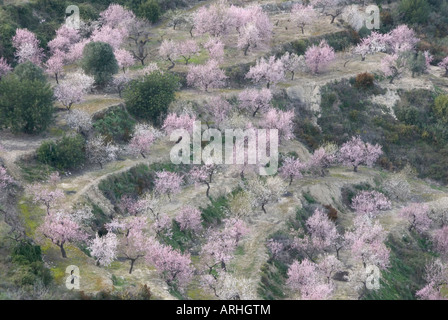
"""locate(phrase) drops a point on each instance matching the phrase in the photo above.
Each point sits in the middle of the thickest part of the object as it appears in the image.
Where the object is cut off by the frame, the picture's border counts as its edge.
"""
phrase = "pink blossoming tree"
(189, 218)
(270, 71)
(318, 57)
(436, 276)
(60, 229)
(356, 152)
(168, 183)
(417, 215)
(255, 100)
(142, 140)
(303, 15)
(370, 203)
(206, 76)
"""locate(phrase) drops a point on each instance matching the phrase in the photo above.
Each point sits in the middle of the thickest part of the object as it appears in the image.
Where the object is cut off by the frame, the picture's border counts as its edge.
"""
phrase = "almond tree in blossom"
(60, 229)
(249, 38)
(189, 218)
(318, 57)
(100, 151)
(270, 71)
(133, 241)
(173, 122)
(356, 152)
(366, 242)
(5, 68)
(124, 59)
(417, 215)
(375, 42)
(292, 62)
(265, 191)
(104, 249)
(402, 39)
(169, 50)
(168, 183)
(115, 16)
(393, 65)
(72, 90)
(227, 286)
(203, 175)
(214, 20)
(206, 76)
(27, 47)
(142, 140)
(219, 250)
(55, 65)
(309, 280)
(443, 64)
(218, 109)
(76, 51)
(46, 196)
(370, 203)
(321, 160)
(130, 206)
(174, 267)
(65, 38)
(255, 100)
(292, 169)
(436, 276)
(80, 121)
(440, 240)
(113, 36)
(280, 120)
(215, 48)
(329, 266)
(120, 81)
(321, 235)
(187, 49)
(303, 15)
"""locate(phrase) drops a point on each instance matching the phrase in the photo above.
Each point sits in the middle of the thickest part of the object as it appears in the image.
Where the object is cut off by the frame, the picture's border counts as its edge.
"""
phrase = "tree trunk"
(132, 265)
(292, 77)
(172, 64)
(245, 49)
(143, 155)
(262, 207)
(355, 168)
(56, 76)
(208, 189)
(64, 254)
(191, 31)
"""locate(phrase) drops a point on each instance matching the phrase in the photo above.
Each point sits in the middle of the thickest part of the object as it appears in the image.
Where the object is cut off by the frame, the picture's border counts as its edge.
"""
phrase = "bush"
(116, 124)
(150, 10)
(148, 99)
(414, 11)
(134, 182)
(364, 80)
(30, 267)
(441, 107)
(68, 153)
(29, 71)
(25, 105)
(99, 61)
